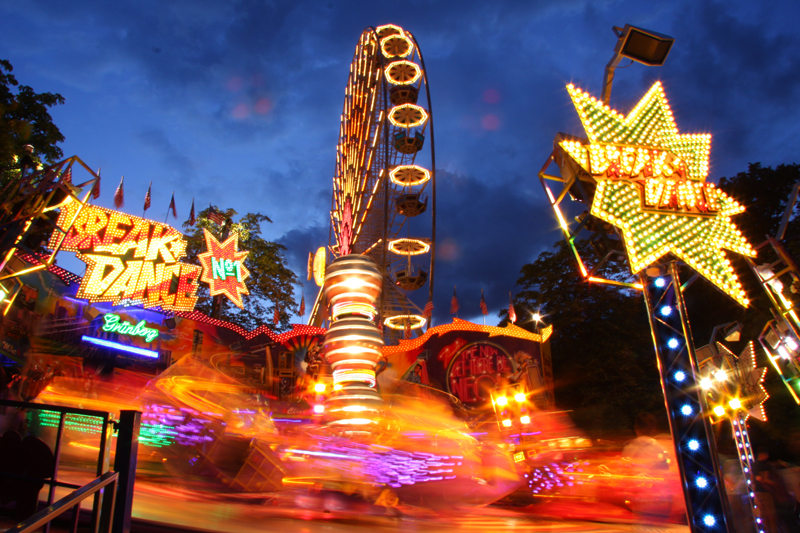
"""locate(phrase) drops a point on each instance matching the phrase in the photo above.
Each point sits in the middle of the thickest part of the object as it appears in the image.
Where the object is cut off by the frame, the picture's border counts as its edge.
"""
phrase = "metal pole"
(707, 506)
(56, 459)
(745, 454)
(125, 464)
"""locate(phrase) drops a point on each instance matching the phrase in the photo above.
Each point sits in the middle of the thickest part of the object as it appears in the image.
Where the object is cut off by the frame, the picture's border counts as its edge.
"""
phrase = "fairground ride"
(384, 185)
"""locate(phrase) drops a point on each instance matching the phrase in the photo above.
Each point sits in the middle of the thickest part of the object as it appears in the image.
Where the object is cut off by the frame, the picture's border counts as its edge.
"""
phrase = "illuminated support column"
(745, 453)
(703, 486)
(353, 343)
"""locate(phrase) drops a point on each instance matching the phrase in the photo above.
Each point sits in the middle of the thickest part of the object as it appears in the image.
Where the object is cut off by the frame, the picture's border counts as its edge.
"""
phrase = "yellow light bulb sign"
(128, 258)
(651, 185)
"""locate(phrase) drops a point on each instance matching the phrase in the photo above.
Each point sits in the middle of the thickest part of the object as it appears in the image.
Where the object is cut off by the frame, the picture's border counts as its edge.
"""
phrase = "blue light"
(709, 520)
(121, 347)
(680, 376)
(701, 482)
(693, 445)
(686, 410)
(673, 343)
(660, 282)
(666, 310)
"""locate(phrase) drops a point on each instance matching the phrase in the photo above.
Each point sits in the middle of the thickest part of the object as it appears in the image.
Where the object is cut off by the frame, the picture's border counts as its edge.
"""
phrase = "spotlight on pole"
(643, 46)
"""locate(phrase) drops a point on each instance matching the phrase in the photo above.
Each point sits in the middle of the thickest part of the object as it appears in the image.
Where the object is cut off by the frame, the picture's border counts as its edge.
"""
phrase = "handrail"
(56, 408)
(106, 420)
(64, 504)
(114, 513)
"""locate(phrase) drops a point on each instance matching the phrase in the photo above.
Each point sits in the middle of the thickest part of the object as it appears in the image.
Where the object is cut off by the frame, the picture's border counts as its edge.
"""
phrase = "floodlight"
(733, 332)
(643, 46)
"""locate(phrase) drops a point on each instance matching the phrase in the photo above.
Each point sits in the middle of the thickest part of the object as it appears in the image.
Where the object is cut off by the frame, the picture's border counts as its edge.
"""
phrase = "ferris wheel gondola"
(384, 186)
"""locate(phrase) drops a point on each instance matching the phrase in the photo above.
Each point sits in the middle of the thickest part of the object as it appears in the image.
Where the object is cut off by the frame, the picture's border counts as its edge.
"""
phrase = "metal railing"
(115, 509)
(73, 501)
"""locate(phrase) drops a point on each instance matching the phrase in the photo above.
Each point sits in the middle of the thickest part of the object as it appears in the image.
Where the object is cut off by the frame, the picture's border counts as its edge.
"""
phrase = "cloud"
(238, 103)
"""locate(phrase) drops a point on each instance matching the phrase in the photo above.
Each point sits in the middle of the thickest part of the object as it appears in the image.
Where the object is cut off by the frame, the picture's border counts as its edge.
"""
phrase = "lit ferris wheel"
(384, 191)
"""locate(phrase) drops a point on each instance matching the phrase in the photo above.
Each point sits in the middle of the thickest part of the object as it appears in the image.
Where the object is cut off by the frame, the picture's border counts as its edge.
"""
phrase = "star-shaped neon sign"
(651, 185)
(223, 267)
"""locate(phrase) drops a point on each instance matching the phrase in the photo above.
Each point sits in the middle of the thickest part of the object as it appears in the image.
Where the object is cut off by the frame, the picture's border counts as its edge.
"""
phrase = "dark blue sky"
(238, 103)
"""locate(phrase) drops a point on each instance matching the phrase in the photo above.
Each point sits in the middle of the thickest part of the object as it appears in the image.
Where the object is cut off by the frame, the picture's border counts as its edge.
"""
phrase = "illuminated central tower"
(353, 343)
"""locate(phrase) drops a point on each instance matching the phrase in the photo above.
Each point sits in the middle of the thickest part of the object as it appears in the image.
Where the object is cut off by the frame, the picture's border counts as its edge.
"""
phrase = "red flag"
(119, 194)
(191, 214)
(147, 197)
(96, 189)
(276, 319)
(454, 303)
(66, 177)
(215, 216)
(484, 309)
(172, 206)
(302, 310)
(428, 310)
(512, 315)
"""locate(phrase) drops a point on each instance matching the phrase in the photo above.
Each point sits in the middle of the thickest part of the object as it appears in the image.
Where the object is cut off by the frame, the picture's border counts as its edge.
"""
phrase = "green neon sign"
(222, 268)
(113, 324)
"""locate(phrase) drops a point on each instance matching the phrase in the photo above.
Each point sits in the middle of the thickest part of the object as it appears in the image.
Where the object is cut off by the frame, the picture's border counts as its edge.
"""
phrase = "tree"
(25, 120)
(601, 345)
(763, 192)
(270, 283)
(603, 362)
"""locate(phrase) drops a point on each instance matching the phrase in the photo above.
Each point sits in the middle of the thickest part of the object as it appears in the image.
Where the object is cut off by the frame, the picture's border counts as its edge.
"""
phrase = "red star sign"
(223, 267)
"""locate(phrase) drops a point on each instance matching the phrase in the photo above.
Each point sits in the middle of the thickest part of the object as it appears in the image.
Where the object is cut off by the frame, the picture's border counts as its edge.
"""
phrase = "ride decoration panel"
(470, 362)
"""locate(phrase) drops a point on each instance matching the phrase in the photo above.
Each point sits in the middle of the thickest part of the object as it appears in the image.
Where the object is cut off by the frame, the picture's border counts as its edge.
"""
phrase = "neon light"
(25, 271)
(510, 330)
(220, 262)
(399, 322)
(121, 347)
(407, 116)
(318, 266)
(113, 324)
(349, 375)
(222, 268)
(409, 175)
(561, 220)
(637, 286)
(396, 45)
(402, 72)
(406, 246)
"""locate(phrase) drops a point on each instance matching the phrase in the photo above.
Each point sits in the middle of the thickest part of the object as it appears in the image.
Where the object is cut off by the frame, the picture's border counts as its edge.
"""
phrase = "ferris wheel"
(384, 187)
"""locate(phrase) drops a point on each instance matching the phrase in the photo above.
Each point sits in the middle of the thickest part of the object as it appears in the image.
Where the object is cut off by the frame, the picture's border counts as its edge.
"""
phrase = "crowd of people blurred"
(777, 482)
(22, 386)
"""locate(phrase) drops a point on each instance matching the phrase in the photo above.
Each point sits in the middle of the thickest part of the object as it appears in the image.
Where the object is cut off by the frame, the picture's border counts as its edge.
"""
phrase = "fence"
(112, 491)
